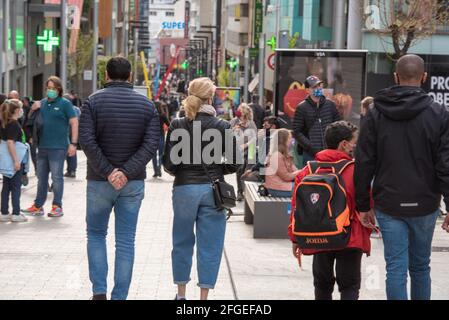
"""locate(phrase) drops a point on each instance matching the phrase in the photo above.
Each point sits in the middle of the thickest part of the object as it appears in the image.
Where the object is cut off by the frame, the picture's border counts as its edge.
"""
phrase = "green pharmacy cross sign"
(272, 43)
(48, 40)
(232, 63)
(185, 65)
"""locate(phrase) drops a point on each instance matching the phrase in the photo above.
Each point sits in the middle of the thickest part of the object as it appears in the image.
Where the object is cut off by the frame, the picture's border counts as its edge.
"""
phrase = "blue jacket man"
(119, 133)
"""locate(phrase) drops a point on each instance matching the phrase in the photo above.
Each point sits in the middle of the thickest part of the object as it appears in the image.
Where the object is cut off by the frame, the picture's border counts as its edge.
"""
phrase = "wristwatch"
(74, 144)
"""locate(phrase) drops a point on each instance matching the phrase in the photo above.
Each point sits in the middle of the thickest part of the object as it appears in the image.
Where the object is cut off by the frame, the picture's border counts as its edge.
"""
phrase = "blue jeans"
(50, 160)
(72, 163)
(101, 199)
(194, 206)
(280, 193)
(157, 160)
(11, 186)
(407, 247)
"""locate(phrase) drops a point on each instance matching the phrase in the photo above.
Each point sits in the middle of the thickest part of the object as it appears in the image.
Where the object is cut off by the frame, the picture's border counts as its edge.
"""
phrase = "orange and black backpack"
(321, 217)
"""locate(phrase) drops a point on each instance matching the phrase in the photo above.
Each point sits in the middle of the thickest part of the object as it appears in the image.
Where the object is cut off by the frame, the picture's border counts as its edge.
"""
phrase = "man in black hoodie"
(404, 147)
(312, 117)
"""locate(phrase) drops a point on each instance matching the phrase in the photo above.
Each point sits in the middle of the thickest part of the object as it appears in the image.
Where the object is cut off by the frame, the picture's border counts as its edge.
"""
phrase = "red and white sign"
(271, 61)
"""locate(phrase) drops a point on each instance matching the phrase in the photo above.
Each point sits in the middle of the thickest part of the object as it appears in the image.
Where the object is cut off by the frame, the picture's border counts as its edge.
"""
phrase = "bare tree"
(80, 58)
(403, 23)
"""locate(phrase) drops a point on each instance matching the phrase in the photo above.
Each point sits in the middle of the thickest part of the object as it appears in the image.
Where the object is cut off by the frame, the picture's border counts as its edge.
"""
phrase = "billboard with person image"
(342, 71)
(226, 101)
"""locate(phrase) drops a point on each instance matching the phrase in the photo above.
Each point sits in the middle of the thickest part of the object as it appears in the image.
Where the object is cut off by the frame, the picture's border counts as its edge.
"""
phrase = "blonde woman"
(365, 105)
(245, 130)
(193, 199)
(281, 171)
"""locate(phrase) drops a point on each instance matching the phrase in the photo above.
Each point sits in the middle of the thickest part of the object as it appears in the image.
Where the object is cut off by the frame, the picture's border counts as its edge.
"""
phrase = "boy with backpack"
(324, 222)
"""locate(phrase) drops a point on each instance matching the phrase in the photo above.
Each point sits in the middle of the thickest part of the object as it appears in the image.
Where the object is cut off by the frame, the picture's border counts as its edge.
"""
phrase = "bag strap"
(337, 167)
(313, 166)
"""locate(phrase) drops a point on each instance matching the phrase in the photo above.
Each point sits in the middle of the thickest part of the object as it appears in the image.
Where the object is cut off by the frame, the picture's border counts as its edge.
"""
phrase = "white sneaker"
(5, 218)
(18, 218)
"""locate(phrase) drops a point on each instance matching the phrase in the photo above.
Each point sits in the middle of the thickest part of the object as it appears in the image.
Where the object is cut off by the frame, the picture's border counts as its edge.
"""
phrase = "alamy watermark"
(215, 146)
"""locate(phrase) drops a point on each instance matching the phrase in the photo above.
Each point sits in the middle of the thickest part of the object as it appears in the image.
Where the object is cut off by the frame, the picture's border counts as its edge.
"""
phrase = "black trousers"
(240, 171)
(348, 264)
(33, 151)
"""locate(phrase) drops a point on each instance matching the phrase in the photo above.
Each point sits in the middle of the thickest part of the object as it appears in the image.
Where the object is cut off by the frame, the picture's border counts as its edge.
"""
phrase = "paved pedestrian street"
(46, 258)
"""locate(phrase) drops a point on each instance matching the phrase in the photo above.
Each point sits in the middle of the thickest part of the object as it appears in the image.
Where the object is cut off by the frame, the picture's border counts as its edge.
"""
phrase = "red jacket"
(360, 236)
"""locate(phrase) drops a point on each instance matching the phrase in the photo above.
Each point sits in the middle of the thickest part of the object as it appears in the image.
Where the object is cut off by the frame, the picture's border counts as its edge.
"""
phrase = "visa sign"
(173, 25)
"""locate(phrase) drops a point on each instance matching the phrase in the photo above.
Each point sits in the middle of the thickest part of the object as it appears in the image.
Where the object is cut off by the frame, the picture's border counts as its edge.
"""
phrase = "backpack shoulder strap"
(338, 167)
(313, 166)
(341, 166)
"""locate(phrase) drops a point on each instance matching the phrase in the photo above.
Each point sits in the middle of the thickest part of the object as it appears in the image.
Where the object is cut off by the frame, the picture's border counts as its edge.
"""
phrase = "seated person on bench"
(280, 171)
(254, 174)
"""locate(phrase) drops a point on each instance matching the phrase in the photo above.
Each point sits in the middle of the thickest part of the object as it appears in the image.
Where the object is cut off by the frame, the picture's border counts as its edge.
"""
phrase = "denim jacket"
(6, 161)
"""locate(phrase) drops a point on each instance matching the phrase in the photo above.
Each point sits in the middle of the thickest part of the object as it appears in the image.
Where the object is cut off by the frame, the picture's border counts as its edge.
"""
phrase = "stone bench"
(269, 215)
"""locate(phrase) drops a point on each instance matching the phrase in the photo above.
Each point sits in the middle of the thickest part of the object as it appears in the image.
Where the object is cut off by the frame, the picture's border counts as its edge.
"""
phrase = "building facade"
(25, 64)
(166, 18)
(13, 46)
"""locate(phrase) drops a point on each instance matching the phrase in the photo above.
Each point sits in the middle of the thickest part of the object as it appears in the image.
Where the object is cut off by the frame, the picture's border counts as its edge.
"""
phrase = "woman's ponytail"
(200, 91)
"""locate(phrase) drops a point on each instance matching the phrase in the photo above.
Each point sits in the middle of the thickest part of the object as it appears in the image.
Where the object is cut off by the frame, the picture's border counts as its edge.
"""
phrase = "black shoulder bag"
(224, 193)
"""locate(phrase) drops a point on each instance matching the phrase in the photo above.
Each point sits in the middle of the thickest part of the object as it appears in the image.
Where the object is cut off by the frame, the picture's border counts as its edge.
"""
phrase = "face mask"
(318, 92)
(238, 113)
(292, 144)
(20, 113)
(351, 150)
(52, 94)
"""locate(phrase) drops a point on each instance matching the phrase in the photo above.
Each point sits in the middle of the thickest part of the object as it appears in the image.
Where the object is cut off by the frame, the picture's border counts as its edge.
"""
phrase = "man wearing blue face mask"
(51, 125)
(312, 117)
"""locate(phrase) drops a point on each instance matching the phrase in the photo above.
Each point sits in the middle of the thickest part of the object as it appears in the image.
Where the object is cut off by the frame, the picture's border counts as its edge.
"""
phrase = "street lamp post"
(207, 51)
(262, 69)
(95, 51)
(114, 28)
(63, 66)
(1, 46)
(126, 27)
(207, 46)
(136, 57)
(198, 44)
(245, 93)
(217, 42)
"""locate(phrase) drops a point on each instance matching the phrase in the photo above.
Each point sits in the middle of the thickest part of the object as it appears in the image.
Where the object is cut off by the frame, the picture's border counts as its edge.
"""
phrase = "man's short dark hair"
(118, 68)
(272, 120)
(339, 131)
(410, 67)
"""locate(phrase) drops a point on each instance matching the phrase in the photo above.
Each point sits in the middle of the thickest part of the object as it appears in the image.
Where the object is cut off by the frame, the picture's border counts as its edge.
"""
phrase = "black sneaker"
(70, 174)
(157, 174)
(240, 197)
(176, 298)
(99, 297)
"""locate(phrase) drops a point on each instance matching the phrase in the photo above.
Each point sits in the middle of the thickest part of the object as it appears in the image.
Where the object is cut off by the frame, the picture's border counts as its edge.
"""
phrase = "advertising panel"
(343, 73)
(226, 101)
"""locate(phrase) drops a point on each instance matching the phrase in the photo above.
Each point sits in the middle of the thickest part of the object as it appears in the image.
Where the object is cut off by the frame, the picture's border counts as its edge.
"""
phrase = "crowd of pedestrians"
(45, 133)
(403, 141)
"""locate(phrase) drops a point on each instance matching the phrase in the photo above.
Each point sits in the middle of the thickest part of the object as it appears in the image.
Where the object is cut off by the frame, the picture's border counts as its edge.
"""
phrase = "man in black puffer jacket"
(404, 147)
(119, 133)
(312, 117)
